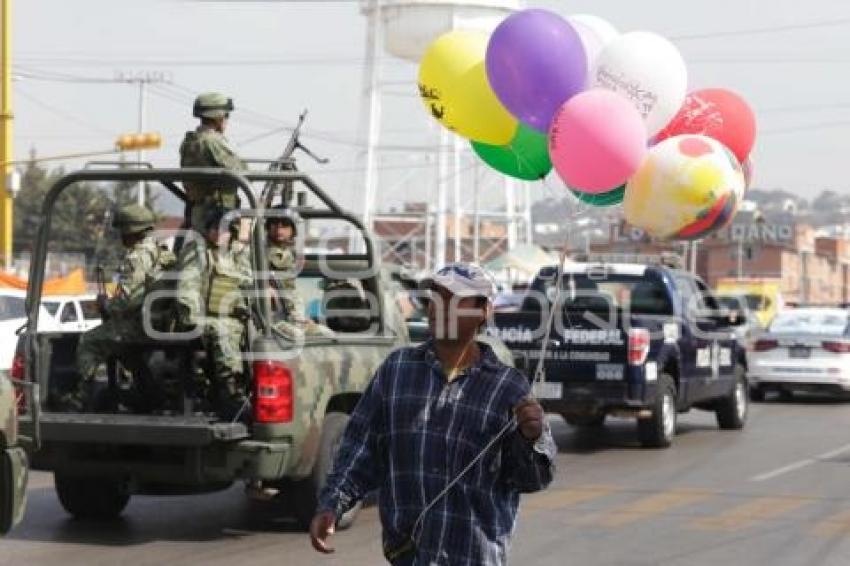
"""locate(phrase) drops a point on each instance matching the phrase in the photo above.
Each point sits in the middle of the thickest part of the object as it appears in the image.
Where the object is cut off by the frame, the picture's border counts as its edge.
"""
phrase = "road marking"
(750, 513)
(561, 498)
(801, 464)
(834, 525)
(650, 506)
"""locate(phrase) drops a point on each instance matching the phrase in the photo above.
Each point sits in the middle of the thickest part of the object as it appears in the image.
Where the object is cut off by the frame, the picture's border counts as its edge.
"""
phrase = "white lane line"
(801, 464)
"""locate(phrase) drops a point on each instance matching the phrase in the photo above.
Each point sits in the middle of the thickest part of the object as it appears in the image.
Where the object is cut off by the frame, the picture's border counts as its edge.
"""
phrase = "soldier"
(213, 272)
(144, 263)
(281, 231)
(207, 147)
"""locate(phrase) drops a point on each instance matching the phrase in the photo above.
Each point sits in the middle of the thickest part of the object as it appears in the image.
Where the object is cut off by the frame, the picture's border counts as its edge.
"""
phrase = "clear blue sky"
(277, 58)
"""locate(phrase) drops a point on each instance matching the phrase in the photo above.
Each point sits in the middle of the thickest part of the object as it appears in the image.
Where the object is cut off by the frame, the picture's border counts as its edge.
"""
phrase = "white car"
(13, 316)
(805, 349)
(72, 313)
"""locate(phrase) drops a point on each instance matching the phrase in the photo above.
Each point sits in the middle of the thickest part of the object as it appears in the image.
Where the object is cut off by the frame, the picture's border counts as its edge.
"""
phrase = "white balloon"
(648, 70)
(595, 33)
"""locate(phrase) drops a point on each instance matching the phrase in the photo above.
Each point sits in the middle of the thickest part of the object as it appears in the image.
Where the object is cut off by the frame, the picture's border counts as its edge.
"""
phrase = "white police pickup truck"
(631, 340)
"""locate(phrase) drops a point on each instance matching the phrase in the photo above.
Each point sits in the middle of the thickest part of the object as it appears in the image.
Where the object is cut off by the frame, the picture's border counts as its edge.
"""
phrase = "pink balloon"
(597, 141)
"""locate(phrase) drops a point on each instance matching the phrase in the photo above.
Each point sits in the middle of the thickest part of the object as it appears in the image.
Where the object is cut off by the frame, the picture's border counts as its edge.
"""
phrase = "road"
(776, 493)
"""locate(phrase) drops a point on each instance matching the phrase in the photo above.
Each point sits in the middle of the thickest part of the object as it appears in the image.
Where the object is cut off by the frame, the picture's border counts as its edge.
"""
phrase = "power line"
(762, 30)
(62, 114)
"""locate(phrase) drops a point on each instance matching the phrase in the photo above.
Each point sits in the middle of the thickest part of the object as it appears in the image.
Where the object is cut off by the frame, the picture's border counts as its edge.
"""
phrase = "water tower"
(405, 29)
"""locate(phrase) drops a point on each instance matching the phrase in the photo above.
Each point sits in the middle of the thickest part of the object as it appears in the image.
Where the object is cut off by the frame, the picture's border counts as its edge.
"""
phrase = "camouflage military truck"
(13, 460)
(302, 389)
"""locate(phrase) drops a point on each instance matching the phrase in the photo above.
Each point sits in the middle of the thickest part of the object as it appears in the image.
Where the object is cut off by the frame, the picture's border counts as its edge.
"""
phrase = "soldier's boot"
(233, 403)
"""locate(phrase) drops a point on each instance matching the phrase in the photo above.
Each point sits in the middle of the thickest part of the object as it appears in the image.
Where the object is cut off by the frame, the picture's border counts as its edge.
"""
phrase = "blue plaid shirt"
(412, 432)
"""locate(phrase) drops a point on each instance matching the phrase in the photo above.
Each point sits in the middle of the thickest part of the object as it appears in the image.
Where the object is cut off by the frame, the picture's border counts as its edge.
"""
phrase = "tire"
(585, 421)
(658, 430)
(305, 493)
(757, 394)
(732, 410)
(92, 498)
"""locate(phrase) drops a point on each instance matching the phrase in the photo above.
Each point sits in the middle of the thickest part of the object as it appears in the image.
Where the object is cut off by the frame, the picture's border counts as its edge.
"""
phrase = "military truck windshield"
(604, 292)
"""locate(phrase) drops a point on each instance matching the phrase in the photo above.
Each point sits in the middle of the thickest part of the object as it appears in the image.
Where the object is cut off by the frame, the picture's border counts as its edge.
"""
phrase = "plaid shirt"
(412, 433)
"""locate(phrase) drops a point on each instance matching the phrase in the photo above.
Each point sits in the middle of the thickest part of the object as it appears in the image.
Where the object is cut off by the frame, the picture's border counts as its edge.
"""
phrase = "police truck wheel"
(91, 498)
(305, 493)
(658, 430)
(732, 410)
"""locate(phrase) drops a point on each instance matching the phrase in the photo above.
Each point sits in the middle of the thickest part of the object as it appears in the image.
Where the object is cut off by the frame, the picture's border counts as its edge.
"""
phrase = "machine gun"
(286, 161)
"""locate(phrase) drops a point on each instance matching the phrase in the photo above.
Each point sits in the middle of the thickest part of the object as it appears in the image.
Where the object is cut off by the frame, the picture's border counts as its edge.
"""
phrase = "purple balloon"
(535, 62)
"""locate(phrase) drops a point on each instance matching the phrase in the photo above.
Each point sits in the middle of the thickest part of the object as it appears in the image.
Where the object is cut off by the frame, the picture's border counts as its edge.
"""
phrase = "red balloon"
(717, 113)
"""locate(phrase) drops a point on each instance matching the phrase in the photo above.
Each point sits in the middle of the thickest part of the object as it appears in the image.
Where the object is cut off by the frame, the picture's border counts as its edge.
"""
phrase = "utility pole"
(142, 79)
(6, 153)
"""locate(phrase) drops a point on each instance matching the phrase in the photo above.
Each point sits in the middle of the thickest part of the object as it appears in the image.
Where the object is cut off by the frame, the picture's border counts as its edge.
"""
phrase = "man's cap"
(212, 105)
(462, 279)
(284, 215)
(214, 215)
(133, 219)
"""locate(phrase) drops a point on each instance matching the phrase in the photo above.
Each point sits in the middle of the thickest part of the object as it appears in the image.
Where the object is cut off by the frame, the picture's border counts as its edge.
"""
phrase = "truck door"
(722, 344)
(696, 350)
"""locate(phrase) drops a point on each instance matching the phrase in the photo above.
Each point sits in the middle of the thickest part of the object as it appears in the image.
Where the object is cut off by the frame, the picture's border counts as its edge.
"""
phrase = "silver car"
(806, 349)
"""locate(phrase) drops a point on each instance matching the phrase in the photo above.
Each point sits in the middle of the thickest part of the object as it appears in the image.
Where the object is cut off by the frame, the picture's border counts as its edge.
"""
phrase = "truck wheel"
(91, 498)
(305, 493)
(732, 410)
(757, 394)
(658, 430)
(586, 421)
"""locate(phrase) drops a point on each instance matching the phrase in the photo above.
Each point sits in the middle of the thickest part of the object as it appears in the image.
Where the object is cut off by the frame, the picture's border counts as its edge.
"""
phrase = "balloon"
(687, 187)
(535, 62)
(648, 70)
(595, 33)
(597, 141)
(453, 85)
(611, 198)
(717, 113)
(525, 157)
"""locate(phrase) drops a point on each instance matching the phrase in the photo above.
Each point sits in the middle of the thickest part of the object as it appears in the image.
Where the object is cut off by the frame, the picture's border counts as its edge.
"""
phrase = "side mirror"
(13, 487)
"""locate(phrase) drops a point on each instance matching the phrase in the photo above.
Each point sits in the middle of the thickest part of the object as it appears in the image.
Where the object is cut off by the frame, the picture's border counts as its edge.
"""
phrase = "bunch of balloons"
(609, 111)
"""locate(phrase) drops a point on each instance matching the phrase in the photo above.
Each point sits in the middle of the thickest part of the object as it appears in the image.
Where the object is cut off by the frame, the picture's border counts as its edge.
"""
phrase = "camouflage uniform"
(139, 270)
(209, 295)
(207, 147)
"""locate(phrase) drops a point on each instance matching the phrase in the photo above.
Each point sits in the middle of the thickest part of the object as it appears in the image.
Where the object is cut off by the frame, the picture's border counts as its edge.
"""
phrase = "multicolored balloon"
(597, 141)
(454, 88)
(536, 62)
(717, 113)
(526, 157)
(648, 70)
(687, 187)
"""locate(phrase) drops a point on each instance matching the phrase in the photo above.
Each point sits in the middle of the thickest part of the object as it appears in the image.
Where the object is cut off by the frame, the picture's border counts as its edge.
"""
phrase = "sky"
(789, 59)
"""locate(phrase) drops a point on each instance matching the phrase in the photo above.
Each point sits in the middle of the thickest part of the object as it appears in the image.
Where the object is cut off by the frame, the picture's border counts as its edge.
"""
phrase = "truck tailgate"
(148, 430)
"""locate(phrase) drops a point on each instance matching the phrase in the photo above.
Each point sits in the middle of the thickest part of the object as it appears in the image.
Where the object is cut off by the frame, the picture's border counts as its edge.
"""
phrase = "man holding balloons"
(610, 112)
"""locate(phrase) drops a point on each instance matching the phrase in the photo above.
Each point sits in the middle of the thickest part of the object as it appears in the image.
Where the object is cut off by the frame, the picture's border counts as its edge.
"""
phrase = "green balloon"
(526, 157)
(611, 198)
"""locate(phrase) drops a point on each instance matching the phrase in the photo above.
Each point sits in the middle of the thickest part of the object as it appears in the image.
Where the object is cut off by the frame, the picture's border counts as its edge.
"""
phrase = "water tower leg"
(458, 210)
(370, 115)
(510, 211)
(442, 198)
(529, 232)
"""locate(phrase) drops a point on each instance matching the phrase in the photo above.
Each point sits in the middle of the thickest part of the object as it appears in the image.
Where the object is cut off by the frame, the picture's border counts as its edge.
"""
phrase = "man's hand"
(529, 417)
(321, 529)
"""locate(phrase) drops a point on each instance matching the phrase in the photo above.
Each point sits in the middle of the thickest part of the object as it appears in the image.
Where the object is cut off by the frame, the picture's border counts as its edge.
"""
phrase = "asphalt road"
(777, 493)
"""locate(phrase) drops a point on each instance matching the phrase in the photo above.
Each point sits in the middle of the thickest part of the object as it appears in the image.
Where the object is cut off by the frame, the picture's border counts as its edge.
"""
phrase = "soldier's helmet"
(134, 219)
(212, 105)
(282, 214)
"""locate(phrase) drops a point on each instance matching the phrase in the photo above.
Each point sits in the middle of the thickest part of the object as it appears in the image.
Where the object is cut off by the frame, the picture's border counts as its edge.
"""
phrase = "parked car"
(73, 312)
(803, 349)
(13, 316)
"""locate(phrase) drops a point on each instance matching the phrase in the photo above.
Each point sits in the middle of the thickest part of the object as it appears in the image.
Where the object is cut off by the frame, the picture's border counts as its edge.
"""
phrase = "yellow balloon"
(453, 85)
